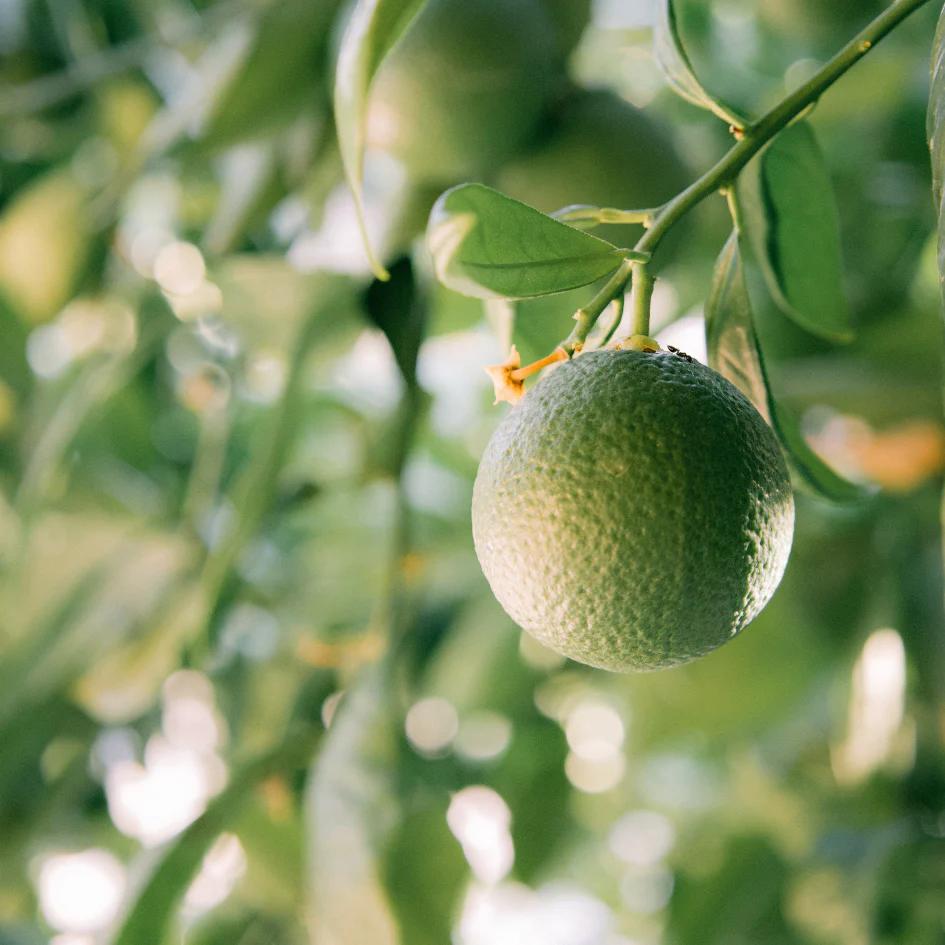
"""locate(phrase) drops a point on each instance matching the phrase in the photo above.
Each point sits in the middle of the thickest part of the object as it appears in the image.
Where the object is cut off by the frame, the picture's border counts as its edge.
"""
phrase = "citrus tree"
(306, 640)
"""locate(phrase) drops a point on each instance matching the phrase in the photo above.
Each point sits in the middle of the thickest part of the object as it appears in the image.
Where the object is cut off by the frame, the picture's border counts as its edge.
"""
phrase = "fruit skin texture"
(633, 511)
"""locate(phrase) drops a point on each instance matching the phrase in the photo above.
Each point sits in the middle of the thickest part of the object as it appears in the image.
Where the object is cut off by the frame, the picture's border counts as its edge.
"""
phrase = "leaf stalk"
(643, 284)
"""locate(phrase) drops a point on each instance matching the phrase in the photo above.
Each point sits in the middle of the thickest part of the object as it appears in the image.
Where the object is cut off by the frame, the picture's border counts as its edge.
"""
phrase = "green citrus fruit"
(633, 511)
(464, 87)
(598, 150)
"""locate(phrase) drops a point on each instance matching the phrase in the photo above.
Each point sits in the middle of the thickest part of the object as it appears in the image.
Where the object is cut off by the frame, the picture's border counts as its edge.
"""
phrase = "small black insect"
(679, 354)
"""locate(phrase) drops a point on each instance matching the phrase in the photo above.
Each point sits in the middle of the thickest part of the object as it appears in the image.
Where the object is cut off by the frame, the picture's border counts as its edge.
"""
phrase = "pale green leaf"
(487, 245)
(671, 56)
(352, 814)
(789, 217)
(373, 28)
(735, 353)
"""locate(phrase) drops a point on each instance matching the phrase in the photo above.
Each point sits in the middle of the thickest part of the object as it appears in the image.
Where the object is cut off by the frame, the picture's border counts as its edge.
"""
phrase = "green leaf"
(397, 309)
(671, 56)
(487, 245)
(24, 790)
(154, 907)
(936, 132)
(730, 332)
(533, 782)
(425, 870)
(739, 899)
(400, 311)
(14, 368)
(789, 216)
(352, 814)
(735, 353)
(374, 27)
(383, 865)
(279, 76)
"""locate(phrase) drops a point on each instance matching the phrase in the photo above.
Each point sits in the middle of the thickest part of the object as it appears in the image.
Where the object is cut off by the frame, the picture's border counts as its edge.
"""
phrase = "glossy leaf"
(487, 245)
(374, 27)
(936, 132)
(789, 217)
(735, 353)
(671, 56)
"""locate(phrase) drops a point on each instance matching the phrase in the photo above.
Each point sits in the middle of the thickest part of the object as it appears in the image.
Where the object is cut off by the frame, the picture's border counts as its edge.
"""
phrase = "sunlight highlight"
(154, 799)
(594, 731)
(81, 892)
(876, 709)
(642, 838)
(431, 725)
(179, 268)
(223, 866)
(483, 736)
(480, 819)
(513, 914)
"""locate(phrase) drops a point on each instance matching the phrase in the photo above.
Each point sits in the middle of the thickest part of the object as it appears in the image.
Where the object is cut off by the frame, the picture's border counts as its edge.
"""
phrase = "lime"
(633, 511)
(464, 87)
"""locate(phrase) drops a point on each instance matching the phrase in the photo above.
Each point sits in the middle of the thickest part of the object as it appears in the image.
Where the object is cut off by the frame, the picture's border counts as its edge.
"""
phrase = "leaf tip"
(380, 273)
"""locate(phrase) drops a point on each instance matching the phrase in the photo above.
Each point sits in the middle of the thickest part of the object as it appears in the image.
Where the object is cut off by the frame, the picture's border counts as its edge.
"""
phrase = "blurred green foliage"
(232, 466)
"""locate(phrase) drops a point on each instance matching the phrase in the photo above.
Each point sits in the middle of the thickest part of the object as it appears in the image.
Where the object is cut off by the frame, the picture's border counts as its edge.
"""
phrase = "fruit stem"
(759, 133)
(643, 284)
(587, 316)
(733, 208)
(618, 316)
